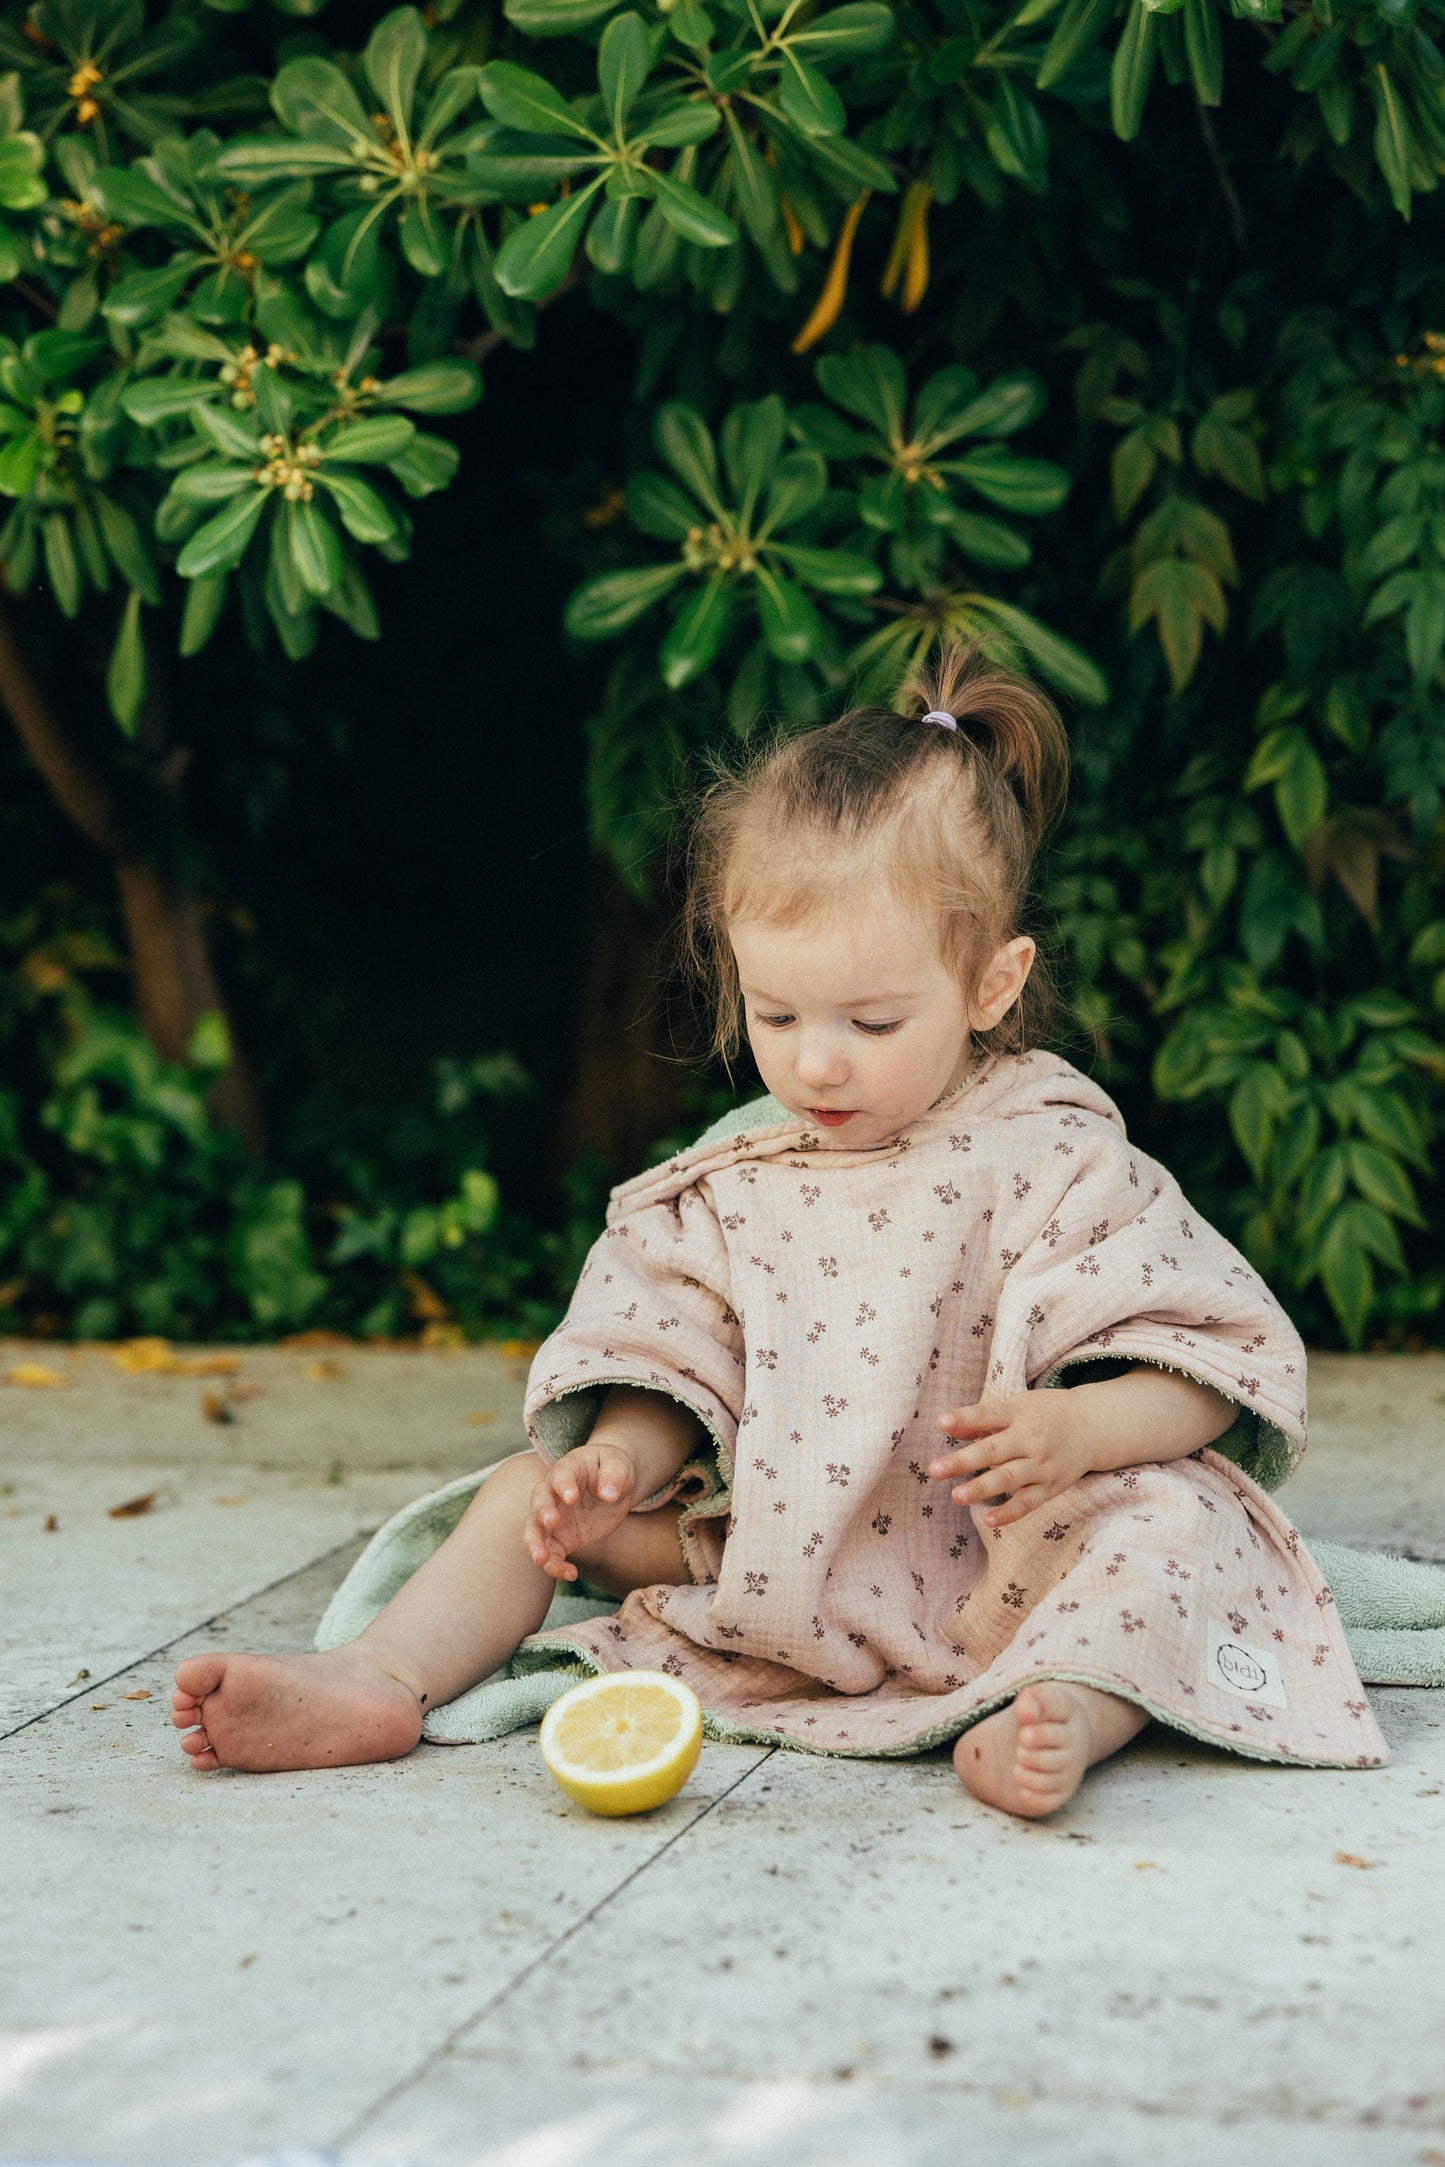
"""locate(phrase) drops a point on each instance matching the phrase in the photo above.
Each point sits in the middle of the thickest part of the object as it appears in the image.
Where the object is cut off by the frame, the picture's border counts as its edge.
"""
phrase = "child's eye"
(775, 1023)
(879, 1030)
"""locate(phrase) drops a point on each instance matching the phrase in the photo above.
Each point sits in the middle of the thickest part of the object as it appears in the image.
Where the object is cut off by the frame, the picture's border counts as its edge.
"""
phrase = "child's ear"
(1002, 982)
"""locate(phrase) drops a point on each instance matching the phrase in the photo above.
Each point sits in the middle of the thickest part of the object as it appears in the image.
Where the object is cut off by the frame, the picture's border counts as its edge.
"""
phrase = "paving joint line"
(453, 2039)
(93, 1685)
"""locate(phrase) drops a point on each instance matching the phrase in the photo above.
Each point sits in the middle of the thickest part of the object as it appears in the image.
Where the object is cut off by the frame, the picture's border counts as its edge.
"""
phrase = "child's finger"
(1019, 1506)
(970, 1458)
(998, 1481)
(975, 1421)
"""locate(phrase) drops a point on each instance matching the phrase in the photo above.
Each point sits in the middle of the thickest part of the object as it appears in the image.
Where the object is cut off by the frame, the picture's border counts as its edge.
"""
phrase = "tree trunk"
(628, 1086)
(174, 979)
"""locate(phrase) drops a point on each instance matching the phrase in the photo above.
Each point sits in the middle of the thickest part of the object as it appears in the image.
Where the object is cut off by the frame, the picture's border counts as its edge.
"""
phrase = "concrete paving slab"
(197, 1967)
(1374, 1473)
(535, 2115)
(313, 1408)
(440, 1962)
(1195, 1937)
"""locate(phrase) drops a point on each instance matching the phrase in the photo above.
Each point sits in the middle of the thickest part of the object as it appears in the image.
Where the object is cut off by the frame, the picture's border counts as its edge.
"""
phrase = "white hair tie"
(936, 714)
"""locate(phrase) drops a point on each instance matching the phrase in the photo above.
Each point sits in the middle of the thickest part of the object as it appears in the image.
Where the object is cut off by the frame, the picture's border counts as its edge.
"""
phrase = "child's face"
(860, 1017)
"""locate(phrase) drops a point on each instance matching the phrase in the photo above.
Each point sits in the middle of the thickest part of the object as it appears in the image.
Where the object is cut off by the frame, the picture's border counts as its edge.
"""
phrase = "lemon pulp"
(623, 1743)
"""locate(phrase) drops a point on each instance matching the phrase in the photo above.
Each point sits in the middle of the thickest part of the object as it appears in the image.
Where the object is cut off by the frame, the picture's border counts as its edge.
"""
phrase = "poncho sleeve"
(652, 1308)
(1122, 1271)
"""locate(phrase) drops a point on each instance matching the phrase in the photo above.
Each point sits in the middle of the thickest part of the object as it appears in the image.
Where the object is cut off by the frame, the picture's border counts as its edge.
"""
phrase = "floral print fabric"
(818, 1308)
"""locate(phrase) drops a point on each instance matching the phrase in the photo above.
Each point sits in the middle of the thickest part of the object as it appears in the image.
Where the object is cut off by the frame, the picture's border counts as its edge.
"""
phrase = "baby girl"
(795, 1416)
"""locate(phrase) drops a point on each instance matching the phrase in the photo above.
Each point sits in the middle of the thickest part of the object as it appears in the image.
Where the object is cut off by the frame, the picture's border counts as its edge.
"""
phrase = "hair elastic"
(936, 714)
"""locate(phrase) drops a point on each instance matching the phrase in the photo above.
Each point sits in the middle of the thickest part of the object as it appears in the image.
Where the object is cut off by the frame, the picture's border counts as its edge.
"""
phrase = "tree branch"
(486, 342)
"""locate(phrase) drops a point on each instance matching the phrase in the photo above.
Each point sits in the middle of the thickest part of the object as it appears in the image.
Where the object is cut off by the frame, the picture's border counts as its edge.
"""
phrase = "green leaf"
(556, 18)
(751, 442)
(689, 214)
(796, 488)
(145, 295)
(790, 624)
(375, 440)
(612, 236)
(127, 551)
(313, 99)
(364, 514)
(437, 387)
(22, 175)
(988, 541)
(162, 398)
(1060, 661)
(606, 605)
(1383, 1181)
(697, 632)
(1257, 1105)
(205, 599)
(1132, 69)
(1349, 1280)
(675, 126)
(255, 161)
(315, 547)
(623, 59)
(425, 464)
(521, 99)
(1204, 50)
(945, 409)
(133, 200)
(807, 98)
(210, 483)
(220, 544)
(62, 568)
(682, 438)
(1076, 30)
(393, 58)
(232, 434)
(870, 384)
(830, 571)
(1032, 486)
(658, 507)
(533, 261)
(423, 237)
(125, 679)
(19, 461)
(863, 26)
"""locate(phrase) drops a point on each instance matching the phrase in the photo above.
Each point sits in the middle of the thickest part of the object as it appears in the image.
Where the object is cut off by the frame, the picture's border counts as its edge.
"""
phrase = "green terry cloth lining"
(1392, 1609)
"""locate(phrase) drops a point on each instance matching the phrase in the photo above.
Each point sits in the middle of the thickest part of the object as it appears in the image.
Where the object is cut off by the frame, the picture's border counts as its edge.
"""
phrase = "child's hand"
(1024, 1449)
(580, 1500)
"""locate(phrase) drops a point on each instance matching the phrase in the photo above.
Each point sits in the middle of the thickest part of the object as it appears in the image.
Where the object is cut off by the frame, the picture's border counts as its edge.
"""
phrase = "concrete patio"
(1202, 1962)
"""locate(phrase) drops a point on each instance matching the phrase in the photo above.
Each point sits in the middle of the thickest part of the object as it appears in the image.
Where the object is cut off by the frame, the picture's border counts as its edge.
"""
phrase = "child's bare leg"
(1031, 1757)
(454, 1622)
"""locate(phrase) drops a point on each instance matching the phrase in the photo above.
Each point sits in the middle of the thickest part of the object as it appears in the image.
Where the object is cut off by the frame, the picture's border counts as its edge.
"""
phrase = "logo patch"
(1239, 1667)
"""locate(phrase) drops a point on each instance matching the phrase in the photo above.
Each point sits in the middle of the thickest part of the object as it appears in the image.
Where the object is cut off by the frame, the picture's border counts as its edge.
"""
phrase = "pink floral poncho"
(818, 1308)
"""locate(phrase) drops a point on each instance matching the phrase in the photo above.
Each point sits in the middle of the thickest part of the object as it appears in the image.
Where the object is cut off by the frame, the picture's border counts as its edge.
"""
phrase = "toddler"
(795, 1416)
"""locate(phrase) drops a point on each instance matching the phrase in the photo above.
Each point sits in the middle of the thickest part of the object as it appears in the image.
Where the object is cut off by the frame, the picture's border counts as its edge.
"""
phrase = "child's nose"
(821, 1065)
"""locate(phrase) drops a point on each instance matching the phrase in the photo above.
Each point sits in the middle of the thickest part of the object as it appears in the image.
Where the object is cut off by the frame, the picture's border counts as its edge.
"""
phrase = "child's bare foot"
(1030, 1757)
(293, 1711)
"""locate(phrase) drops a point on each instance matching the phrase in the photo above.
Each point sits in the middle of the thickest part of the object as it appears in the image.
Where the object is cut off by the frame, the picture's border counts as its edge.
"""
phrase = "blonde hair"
(951, 820)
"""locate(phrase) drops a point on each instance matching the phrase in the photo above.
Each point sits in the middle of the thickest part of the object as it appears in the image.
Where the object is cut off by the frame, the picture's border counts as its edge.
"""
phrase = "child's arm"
(636, 1445)
(1035, 1444)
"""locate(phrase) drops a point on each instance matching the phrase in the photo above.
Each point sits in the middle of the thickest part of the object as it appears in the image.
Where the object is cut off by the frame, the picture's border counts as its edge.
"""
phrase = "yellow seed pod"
(835, 286)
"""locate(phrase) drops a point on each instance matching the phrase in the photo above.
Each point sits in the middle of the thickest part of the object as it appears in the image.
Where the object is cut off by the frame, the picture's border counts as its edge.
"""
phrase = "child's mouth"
(830, 1120)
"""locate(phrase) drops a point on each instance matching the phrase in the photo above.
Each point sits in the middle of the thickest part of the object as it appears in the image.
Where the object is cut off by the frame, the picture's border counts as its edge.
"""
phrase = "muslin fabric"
(817, 1308)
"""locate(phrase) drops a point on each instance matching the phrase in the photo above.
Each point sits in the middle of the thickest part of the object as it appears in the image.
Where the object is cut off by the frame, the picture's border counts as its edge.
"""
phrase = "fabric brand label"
(1238, 1666)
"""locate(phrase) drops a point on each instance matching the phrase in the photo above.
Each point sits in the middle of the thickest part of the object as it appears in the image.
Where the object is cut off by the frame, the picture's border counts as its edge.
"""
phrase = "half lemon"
(623, 1743)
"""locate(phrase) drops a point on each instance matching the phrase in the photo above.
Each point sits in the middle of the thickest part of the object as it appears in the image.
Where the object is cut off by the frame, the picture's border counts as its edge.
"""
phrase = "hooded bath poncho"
(818, 1308)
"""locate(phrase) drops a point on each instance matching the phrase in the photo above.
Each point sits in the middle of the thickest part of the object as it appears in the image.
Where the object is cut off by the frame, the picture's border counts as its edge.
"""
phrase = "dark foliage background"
(1103, 334)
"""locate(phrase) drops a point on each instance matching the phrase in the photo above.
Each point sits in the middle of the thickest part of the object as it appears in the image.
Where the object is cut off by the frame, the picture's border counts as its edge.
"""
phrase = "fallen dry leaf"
(80, 1677)
(245, 1392)
(322, 1372)
(216, 1408)
(228, 1500)
(480, 1420)
(298, 1340)
(439, 1338)
(99, 1704)
(135, 1506)
(1350, 1858)
(158, 1358)
(1143, 1866)
(516, 1350)
(38, 1376)
(139, 1694)
(52, 1525)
